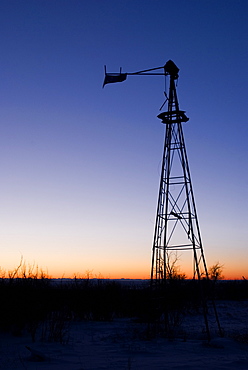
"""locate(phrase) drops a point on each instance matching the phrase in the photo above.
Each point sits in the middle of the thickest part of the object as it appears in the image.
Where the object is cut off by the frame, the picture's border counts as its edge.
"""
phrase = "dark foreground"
(84, 324)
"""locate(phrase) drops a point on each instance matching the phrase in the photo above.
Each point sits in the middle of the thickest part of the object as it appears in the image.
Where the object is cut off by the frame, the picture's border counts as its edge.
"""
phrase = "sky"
(80, 165)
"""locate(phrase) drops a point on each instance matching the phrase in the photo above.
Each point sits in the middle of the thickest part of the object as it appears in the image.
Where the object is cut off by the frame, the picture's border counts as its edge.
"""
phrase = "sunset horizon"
(26, 269)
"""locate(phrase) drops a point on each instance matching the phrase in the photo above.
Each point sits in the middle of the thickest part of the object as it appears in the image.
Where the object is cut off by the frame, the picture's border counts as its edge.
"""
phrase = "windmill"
(176, 227)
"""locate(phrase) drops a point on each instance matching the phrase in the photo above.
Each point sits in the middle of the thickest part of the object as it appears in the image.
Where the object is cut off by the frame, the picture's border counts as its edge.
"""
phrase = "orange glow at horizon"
(117, 268)
(142, 274)
(122, 275)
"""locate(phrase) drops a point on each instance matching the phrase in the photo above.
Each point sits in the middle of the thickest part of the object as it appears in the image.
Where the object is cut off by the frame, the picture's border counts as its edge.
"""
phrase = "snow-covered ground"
(122, 344)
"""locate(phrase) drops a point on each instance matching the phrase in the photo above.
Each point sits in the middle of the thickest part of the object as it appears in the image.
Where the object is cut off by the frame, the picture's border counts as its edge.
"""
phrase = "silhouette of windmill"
(176, 227)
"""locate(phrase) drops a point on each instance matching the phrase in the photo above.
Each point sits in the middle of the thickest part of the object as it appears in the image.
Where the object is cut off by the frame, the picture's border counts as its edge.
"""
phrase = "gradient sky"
(80, 165)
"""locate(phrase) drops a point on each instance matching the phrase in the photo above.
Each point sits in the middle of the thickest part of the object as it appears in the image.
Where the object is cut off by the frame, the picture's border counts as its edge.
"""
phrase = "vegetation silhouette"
(44, 307)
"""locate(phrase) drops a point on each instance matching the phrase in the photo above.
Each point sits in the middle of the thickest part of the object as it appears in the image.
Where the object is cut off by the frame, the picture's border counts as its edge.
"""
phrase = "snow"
(123, 344)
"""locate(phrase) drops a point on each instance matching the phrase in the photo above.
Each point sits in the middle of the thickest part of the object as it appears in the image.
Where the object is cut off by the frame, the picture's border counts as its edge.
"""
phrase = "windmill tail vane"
(168, 69)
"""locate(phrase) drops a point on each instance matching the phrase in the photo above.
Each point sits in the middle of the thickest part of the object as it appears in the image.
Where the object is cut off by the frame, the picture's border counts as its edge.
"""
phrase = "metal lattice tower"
(176, 228)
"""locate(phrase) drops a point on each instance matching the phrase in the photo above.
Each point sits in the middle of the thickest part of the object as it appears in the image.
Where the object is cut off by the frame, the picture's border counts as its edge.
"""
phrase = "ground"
(123, 344)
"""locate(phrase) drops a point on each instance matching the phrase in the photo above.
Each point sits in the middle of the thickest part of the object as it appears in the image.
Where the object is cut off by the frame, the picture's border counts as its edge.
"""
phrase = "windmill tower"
(176, 228)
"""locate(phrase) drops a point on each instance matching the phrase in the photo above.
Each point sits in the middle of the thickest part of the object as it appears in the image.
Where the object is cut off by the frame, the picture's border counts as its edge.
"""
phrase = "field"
(104, 324)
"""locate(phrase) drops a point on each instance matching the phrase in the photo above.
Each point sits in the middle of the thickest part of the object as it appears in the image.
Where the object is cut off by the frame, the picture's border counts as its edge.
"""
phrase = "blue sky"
(80, 165)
